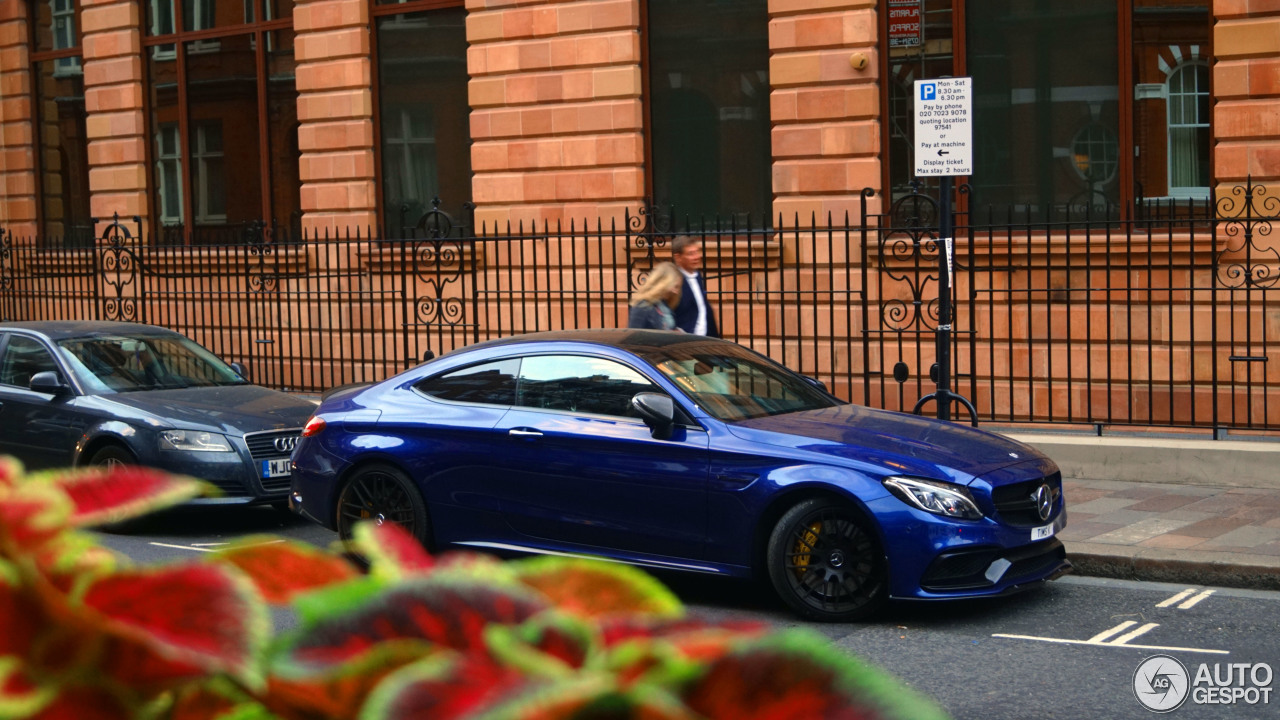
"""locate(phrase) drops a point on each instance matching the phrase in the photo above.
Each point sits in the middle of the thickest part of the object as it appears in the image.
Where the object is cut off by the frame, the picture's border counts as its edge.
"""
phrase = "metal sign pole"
(946, 231)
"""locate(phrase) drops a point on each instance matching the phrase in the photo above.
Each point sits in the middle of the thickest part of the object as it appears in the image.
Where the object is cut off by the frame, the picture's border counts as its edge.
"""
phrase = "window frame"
(56, 56)
(1128, 192)
(1190, 192)
(681, 417)
(416, 387)
(377, 11)
(205, 40)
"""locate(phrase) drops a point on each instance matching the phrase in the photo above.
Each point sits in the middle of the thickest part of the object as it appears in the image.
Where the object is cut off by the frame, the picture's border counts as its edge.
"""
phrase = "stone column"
(1246, 86)
(113, 98)
(556, 115)
(825, 107)
(17, 136)
(335, 115)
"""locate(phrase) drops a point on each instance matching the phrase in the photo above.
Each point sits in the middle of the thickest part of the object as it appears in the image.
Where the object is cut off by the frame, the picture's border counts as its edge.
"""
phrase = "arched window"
(1188, 103)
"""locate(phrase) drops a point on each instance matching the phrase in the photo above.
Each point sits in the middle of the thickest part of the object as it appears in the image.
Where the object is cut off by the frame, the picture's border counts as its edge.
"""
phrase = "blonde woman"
(652, 302)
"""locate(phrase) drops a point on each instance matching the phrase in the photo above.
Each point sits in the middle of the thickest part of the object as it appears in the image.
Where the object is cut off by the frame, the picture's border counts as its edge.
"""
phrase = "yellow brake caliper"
(805, 546)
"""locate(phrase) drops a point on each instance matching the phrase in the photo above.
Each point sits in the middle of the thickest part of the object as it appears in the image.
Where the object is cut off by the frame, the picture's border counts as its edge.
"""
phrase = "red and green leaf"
(592, 589)
(340, 692)
(102, 496)
(29, 516)
(199, 613)
(20, 615)
(84, 703)
(551, 644)
(442, 688)
(595, 697)
(10, 472)
(447, 612)
(283, 569)
(798, 675)
(391, 551)
(19, 696)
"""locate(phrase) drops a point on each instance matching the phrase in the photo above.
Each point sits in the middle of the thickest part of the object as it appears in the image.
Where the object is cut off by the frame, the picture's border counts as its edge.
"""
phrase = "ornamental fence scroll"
(1161, 320)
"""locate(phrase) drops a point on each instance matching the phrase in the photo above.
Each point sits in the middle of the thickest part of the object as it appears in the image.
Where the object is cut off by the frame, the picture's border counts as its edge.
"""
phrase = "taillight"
(314, 426)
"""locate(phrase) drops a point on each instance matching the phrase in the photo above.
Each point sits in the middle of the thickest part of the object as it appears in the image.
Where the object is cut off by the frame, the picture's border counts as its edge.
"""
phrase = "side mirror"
(239, 370)
(815, 382)
(658, 412)
(48, 381)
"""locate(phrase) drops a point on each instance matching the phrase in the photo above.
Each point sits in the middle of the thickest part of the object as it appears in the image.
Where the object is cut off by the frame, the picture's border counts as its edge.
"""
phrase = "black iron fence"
(1164, 320)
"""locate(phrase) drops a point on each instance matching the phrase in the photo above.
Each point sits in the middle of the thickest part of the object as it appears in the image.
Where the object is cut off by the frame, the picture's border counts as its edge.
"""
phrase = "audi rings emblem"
(1044, 501)
(286, 444)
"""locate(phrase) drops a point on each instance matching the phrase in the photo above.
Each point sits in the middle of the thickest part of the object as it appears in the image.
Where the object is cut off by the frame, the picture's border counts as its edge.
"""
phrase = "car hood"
(233, 409)
(899, 443)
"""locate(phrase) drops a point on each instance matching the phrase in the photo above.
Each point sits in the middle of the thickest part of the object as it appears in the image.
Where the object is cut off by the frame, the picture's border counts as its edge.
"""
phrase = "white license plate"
(275, 468)
(1042, 533)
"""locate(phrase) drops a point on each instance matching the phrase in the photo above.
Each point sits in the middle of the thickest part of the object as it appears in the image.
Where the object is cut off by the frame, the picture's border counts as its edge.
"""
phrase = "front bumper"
(932, 557)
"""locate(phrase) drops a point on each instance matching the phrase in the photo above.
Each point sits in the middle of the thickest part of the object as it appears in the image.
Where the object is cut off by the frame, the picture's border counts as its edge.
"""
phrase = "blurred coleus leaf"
(796, 674)
(550, 644)
(443, 687)
(339, 691)
(392, 553)
(448, 612)
(591, 588)
(282, 569)
(108, 495)
(197, 614)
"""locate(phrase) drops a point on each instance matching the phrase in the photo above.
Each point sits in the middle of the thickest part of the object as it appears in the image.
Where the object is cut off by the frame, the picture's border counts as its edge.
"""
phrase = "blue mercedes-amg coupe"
(681, 452)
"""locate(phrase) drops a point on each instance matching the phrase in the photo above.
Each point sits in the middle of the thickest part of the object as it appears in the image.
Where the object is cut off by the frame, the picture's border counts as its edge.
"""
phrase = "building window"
(169, 174)
(708, 96)
(423, 116)
(62, 165)
(227, 106)
(1188, 105)
(1049, 118)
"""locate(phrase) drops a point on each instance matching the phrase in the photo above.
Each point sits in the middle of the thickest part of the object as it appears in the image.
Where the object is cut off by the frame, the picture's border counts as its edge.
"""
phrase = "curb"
(1237, 570)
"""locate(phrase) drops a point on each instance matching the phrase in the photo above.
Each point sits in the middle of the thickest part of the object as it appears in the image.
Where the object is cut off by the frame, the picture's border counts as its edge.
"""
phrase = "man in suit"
(693, 314)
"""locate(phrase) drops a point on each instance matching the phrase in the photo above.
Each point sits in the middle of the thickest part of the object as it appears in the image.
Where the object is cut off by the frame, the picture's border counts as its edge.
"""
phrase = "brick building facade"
(558, 122)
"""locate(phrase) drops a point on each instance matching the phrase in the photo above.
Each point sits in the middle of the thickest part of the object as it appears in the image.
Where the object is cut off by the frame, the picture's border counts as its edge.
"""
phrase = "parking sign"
(944, 134)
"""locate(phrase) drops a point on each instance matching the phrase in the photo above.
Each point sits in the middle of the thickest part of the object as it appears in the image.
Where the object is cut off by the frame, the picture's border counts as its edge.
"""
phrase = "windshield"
(147, 362)
(733, 383)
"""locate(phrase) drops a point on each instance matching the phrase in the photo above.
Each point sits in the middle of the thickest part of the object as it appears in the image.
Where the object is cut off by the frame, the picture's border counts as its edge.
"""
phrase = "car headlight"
(194, 441)
(936, 497)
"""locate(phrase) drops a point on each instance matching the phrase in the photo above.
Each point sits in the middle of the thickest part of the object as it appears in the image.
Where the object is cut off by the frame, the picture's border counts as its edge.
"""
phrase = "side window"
(580, 384)
(489, 383)
(23, 358)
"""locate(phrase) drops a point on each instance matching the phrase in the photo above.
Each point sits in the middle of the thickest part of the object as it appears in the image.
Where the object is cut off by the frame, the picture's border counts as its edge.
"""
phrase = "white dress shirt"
(700, 327)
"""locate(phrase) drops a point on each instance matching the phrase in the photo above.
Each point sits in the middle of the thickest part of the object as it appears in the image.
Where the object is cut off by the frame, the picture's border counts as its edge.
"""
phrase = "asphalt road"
(1069, 650)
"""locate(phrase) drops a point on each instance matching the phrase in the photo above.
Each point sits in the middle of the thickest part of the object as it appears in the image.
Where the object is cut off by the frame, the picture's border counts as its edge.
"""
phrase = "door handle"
(523, 432)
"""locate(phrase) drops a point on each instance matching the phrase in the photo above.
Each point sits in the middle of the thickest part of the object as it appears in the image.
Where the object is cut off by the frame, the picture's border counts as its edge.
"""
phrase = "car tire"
(826, 562)
(110, 456)
(382, 493)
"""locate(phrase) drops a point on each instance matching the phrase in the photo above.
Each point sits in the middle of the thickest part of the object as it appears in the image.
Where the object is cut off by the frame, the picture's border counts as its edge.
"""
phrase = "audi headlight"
(936, 497)
(194, 441)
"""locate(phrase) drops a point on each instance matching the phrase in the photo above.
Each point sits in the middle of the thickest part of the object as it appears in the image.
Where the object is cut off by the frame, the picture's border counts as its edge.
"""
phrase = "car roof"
(636, 341)
(63, 329)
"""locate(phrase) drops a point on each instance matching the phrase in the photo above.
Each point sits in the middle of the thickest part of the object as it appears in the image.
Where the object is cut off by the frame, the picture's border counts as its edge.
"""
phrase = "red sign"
(904, 23)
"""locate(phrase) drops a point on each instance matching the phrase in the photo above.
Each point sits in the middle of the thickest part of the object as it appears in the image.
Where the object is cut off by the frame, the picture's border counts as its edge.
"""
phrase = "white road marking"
(1102, 636)
(1111, 644)
(201, 547)
(1131, 635)
(1192, 602)
(1176, 598)
(181, 547)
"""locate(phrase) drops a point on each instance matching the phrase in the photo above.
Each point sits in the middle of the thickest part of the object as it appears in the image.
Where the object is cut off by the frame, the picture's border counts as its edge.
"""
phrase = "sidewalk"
(1192, 534)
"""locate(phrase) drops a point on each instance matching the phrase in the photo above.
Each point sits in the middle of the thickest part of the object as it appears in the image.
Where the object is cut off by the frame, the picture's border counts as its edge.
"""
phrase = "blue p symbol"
(928, 91)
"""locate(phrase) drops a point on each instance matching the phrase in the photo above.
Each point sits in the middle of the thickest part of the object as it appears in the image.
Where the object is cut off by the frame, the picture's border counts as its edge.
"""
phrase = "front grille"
(1016, 504)
(262, 445)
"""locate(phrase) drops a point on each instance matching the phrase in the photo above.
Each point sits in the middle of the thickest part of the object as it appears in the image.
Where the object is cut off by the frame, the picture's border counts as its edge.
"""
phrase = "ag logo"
(1161, 683)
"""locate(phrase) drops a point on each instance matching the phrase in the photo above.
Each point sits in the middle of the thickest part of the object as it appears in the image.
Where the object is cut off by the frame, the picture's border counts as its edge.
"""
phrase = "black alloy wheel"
(112, 456)
(381, 493)
(826, 564)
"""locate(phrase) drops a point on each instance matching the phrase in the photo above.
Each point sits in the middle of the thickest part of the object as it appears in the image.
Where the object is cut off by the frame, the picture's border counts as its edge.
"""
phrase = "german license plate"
(275, 468)
(1042, 533)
